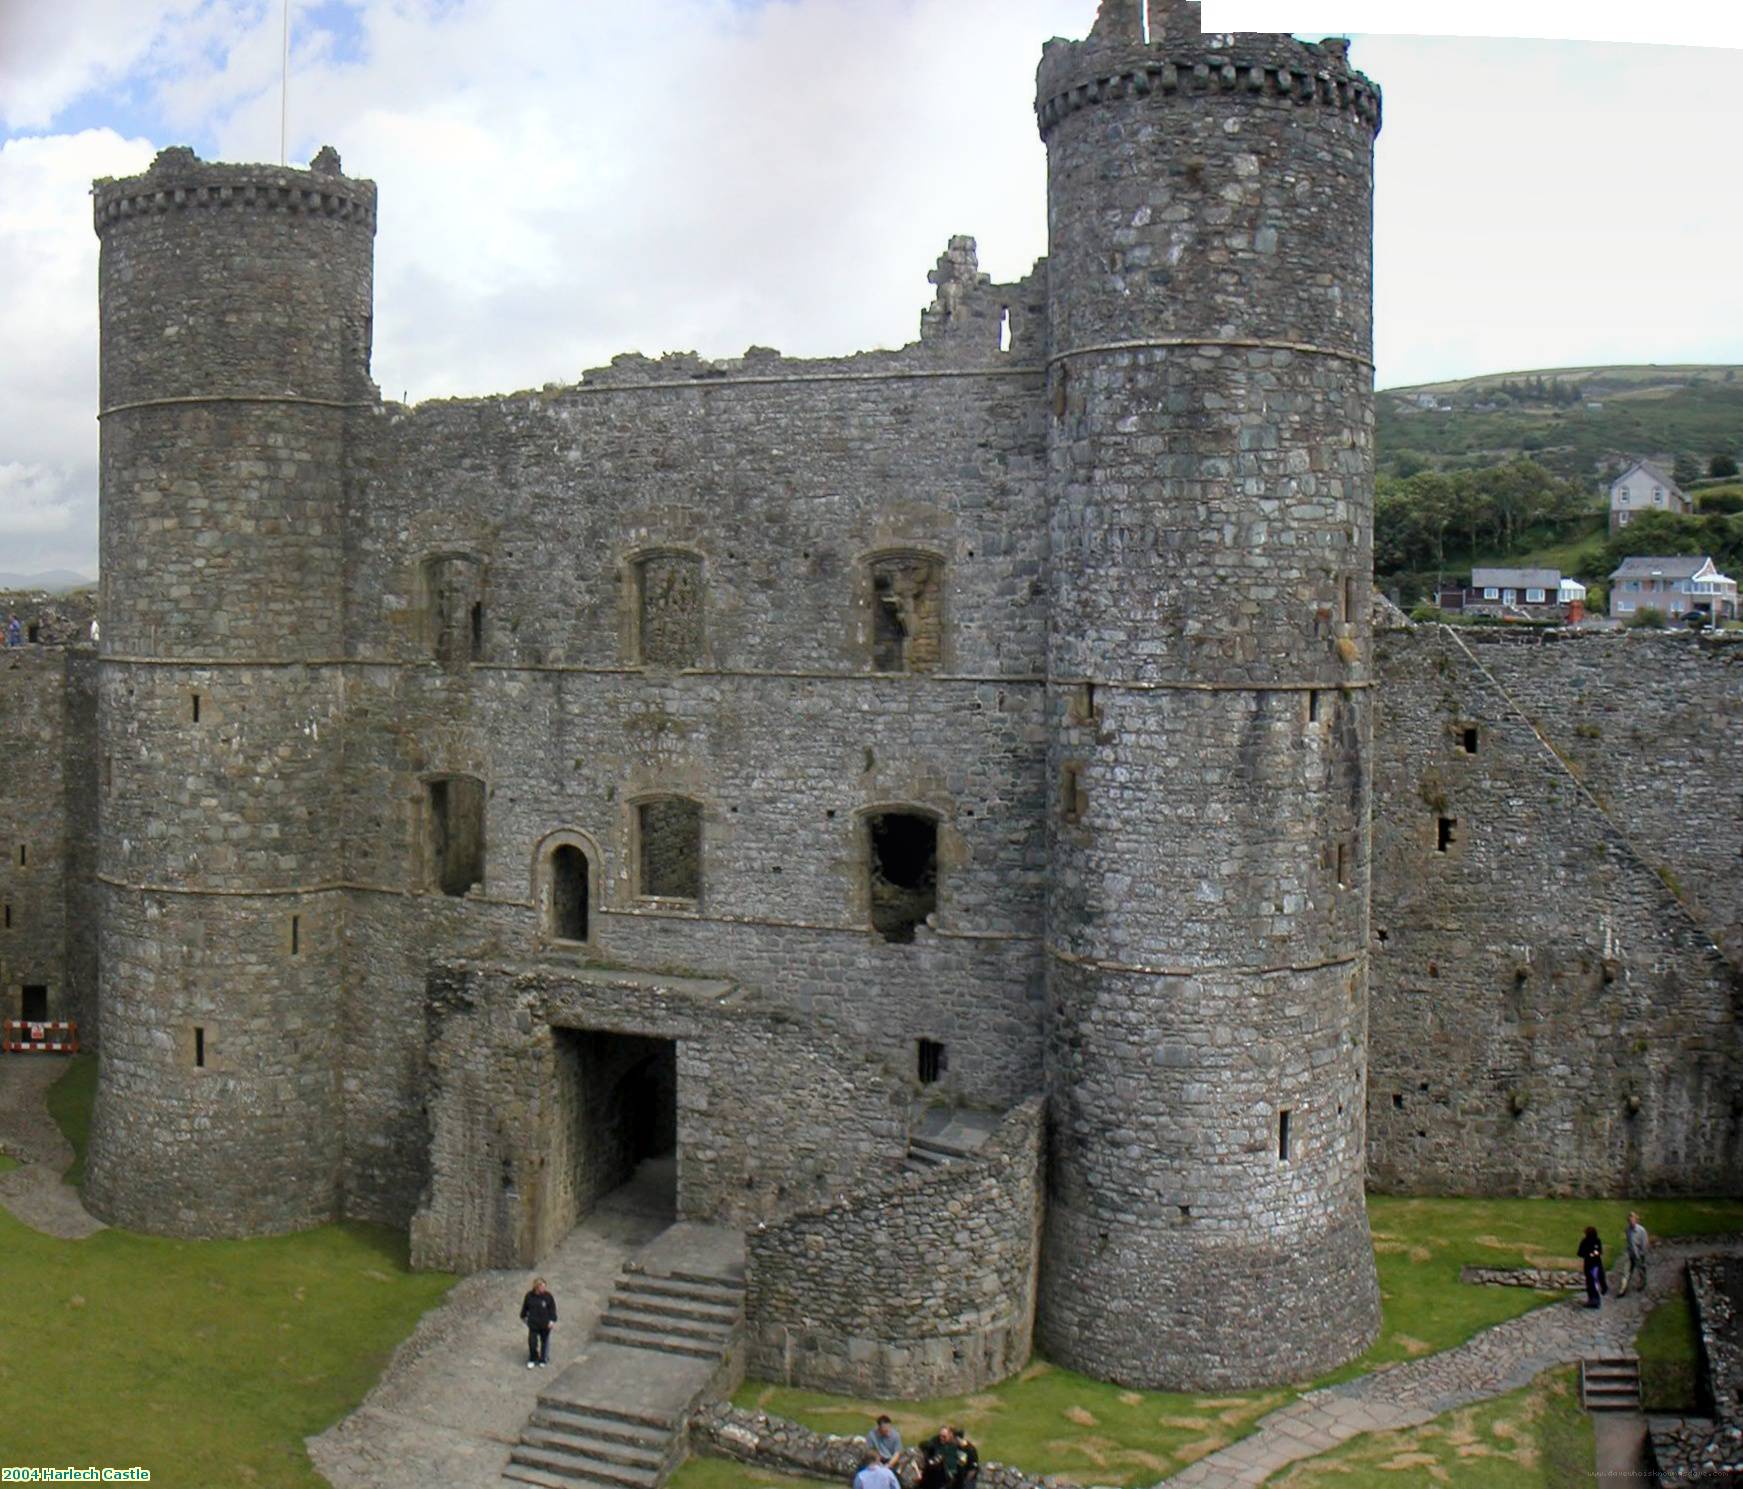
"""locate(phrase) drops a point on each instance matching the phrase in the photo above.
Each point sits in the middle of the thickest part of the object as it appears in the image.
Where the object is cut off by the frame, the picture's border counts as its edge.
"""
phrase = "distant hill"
(1576, 421)
(53, 580)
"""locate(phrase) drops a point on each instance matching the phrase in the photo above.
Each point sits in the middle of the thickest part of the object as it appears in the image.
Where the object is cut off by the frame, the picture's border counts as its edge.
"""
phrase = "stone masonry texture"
(1080, 579)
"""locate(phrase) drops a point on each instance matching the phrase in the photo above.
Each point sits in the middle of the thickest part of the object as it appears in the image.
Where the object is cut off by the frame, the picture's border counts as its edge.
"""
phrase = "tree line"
(1423, 520)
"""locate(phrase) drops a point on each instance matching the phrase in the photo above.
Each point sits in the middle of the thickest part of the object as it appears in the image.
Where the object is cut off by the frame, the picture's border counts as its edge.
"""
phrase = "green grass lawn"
(206, 1362)
(7, 1161)
(1535, 1438)
(69, 1103)
(1669, 1348)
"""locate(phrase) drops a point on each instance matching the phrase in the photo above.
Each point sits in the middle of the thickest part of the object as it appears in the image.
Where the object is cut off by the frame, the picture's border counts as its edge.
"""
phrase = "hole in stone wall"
(9, 917)
(1073, 796)
(199, 1046)
(1313, 705)
(1380, 934)
(669, 835)
(108, 772)
(1444, 833)
(669, 599)
(1283, 1135)
(903, 861)
(1349, 606)
(1343, 865)
(1083, 704)
(196, 708)
(1145, 8)
(568, 893)
(296, 948)
(33, 1003)
(23, 855)
(456, 828)
(933, 1061)
(1005, 328)
(907, 613)
(1398, 1101)
(1470, 740)
(454, 607)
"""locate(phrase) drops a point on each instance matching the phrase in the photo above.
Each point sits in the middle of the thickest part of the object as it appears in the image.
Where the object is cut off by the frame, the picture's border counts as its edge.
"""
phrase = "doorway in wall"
(617, 1127)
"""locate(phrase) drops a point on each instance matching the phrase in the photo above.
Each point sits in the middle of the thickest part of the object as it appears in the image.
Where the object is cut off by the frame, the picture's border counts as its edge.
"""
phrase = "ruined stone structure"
(753, 762)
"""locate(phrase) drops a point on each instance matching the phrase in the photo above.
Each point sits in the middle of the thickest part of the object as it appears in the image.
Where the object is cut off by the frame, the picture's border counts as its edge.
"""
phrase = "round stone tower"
(1211, 484)
(235, 330)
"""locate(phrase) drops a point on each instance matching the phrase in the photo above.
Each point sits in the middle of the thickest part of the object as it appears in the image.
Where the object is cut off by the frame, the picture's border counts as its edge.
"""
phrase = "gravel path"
(33, 1192)
(1498, 1360)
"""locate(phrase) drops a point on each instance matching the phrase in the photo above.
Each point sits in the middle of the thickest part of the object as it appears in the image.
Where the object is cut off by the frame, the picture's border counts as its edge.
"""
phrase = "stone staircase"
(943, 1135)
(1610, 1383)
(668, 1338)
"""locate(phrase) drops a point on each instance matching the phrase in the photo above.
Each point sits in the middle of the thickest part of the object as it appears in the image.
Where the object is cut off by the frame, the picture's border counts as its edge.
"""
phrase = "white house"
(1643, 487)
(1674, 586)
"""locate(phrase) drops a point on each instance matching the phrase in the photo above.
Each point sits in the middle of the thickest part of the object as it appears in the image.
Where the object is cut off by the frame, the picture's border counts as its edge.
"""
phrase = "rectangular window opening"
(196, 708)
(1146, 19)
(669, 599)
(907, 613)
(903, 868)
(1073, 797)
(1398, 1101)
(108, 772)
(1343, 865)
(199, 1047)
(23, 855)
(9, 917)
(670, 833)
(933, 1061)
(33, 1006)
(296, 935)
(1283, 1135)
(1445, 830)
(456, 827)
(1313, 705)
(1005, 328)
(1470, 740)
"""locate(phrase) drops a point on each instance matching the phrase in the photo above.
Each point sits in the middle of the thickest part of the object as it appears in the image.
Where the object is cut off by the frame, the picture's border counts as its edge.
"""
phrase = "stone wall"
(1551, 1013)
(777, 1445)
(37, 754)
(771, 1115)
(920, 1287)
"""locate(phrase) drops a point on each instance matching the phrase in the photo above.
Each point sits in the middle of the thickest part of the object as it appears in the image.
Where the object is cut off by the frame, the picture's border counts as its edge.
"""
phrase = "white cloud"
(48, 307)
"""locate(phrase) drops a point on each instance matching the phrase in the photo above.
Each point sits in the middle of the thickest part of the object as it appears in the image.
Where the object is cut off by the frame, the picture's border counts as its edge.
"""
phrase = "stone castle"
(983, 749)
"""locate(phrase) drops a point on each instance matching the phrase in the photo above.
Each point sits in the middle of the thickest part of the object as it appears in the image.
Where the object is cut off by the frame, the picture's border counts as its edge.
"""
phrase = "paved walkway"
(1498, 1360)
(454, 1397)
(33, 1192)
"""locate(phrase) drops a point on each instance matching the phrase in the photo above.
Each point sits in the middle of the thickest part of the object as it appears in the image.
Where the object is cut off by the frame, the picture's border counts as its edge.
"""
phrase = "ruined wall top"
(1146, 46)
(178, 179)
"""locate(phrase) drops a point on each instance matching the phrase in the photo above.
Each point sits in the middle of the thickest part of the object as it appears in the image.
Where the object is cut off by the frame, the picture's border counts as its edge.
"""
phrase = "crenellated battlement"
(1077, 75)
(178, 180)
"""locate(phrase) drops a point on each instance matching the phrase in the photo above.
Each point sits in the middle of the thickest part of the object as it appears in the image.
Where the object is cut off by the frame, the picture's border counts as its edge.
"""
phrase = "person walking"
(1591, 1254)
(14, 631)
(538, 1311)
(1633, 1256)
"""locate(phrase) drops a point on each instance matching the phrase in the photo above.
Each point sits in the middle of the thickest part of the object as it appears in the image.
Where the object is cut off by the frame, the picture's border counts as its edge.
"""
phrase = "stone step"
(1610, 1383)
(586, 1411)
(580, 1445)
(721, 1293)
(728, 1282)
(668, 1344)
(923, 1158)
(621, 1316)
(935, 1150)
(578, 1469)
(698, 1310)
(604, 1425)
(523, 1473)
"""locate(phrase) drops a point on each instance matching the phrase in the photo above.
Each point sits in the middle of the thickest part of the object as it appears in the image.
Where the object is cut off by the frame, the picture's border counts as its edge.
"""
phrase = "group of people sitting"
(946, 1460)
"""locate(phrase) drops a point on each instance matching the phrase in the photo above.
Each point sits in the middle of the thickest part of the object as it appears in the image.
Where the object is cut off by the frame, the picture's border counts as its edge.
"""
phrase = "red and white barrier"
(39, 1036)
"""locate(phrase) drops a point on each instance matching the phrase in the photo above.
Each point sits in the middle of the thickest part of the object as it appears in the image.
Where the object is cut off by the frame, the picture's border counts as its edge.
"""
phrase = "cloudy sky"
(562, 180)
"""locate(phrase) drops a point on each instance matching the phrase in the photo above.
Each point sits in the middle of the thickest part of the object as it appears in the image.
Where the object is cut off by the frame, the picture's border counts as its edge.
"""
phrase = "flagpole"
(284, 85)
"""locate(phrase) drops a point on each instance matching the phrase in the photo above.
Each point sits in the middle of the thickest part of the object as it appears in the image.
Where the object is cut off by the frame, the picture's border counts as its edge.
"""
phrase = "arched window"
(901, 870)
(453, 606)
(669, 848)
(907, 612)
(668, 595)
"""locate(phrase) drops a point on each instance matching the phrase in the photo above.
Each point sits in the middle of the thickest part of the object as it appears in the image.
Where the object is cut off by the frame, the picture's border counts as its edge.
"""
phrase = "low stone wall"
(777, 1445)
(1544, 1279)
(1695, 1451)
(1715, 1286)
(924, 1287)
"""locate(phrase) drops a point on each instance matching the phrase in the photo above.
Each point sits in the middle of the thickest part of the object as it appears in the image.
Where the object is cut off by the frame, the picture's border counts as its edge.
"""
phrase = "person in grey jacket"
(1635, 1242)
(885, 1440)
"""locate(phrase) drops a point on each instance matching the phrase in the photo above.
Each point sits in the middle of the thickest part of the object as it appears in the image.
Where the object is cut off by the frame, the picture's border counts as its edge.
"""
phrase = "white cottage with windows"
(1643, 487)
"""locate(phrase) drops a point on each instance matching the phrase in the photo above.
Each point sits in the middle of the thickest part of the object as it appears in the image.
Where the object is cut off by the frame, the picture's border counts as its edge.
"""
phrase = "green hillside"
(1574, 421)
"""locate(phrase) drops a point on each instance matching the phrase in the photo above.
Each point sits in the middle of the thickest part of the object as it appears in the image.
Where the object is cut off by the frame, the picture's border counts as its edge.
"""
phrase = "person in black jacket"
(538, 1311)
(1591, 1255)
